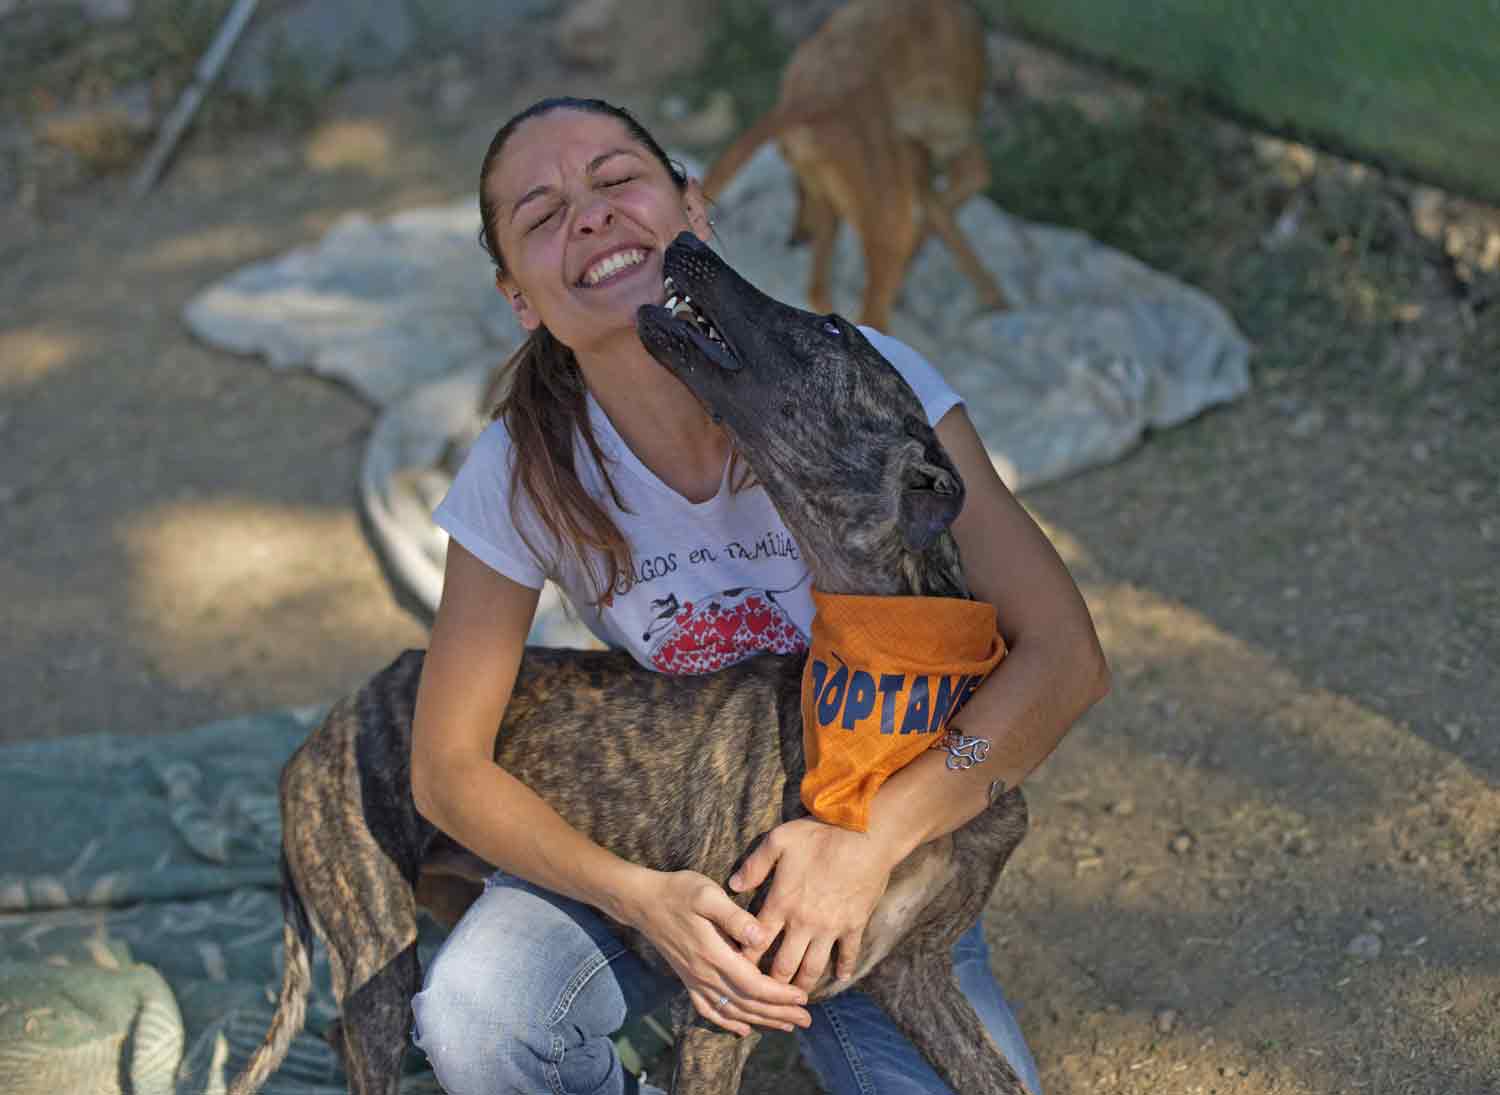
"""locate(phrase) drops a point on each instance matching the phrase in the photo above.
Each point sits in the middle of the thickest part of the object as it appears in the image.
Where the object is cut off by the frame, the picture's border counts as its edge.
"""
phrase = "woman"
(603, 473)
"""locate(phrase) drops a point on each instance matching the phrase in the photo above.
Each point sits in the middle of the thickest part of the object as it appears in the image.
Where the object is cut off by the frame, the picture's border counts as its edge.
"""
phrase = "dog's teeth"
(669, 287)
(671, 304)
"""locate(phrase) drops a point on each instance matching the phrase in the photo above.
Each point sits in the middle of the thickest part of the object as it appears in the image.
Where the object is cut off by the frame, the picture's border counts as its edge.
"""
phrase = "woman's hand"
(828, 881)
(699, 930)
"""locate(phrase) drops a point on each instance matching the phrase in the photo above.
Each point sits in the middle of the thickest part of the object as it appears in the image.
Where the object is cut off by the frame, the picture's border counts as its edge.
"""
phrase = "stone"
(1427, 214)
(711, 124)
(1181, 844)
(585, 35)
(103, 135)
(1294, 844)
(1365, 946)
(1467, 491)
(637, 40)
(1308, 424)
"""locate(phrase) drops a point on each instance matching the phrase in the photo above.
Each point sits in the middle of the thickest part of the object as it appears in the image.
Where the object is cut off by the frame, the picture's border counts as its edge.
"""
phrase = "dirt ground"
(1269, 862)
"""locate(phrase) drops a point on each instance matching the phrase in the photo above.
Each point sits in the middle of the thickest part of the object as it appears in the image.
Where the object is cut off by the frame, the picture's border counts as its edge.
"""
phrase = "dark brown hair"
(546, 399)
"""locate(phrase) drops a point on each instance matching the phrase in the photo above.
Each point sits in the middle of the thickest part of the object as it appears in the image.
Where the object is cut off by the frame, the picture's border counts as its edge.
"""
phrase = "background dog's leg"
(821, 222)
(943, 222)
(921, 995)
(890, 231)
(967, 174)
(710, 1060)
(376, 1025)
(801, 224)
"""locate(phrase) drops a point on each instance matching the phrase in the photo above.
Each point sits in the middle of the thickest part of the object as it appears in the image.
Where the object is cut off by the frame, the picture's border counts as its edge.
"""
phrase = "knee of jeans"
(473, 1033)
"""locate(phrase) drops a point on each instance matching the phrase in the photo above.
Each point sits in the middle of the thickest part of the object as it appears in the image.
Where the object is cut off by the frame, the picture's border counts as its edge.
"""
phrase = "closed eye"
(617, 182)
(537, 224)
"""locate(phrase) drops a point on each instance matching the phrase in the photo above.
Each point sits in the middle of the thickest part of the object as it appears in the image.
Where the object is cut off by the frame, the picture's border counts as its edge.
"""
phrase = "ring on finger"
(723, 1003)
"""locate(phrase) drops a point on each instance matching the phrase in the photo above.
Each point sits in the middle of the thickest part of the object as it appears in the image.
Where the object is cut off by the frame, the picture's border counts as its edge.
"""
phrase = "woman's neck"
(659, 419)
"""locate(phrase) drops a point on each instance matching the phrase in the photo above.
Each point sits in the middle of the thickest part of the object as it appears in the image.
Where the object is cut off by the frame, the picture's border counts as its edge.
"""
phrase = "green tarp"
(161, 850)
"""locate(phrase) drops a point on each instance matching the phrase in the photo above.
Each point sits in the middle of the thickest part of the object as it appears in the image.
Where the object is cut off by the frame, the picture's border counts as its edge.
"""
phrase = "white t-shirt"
(715, 581)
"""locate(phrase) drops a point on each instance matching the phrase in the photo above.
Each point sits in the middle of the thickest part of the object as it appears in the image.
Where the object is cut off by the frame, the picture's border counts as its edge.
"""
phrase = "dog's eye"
(831, 326)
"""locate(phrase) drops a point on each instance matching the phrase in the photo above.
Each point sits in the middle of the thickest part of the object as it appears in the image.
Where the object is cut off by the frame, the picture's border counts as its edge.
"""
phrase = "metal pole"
(192, 96)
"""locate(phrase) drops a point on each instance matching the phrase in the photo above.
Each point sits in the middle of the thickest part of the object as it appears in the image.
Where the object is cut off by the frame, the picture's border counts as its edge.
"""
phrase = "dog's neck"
(933, 572)
(936, 572)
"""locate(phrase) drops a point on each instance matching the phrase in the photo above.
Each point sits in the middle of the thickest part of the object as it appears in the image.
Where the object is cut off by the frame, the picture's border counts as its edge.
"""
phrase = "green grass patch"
(1173, 188)
(1387, 80)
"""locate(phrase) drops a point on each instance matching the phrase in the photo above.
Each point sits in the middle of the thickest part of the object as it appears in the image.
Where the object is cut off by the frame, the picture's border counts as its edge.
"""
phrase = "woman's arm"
(1053, 672)
(829, 879)
(473, 657)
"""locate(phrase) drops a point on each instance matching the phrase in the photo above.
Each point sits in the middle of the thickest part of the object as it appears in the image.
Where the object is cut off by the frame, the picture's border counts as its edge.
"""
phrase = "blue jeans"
(525, 993)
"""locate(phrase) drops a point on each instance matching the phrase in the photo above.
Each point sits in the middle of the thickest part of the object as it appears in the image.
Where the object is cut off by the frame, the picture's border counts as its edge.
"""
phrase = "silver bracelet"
(963, 751)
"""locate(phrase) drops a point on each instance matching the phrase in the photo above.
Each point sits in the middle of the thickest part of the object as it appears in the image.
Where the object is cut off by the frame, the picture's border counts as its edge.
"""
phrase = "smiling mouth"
(607, 268)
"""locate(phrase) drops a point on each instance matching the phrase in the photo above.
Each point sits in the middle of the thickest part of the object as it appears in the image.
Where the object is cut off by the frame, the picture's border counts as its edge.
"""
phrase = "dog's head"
(828, 426)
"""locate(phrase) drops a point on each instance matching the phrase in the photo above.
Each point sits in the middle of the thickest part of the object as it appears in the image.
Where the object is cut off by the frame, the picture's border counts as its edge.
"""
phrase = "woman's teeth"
(612, 264)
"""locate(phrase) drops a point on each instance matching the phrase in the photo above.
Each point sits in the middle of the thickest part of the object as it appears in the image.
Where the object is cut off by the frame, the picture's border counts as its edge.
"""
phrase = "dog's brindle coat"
(840, 442)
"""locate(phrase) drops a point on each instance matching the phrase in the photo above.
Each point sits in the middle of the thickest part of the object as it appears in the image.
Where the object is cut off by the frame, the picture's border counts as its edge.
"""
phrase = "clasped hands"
(825, 883)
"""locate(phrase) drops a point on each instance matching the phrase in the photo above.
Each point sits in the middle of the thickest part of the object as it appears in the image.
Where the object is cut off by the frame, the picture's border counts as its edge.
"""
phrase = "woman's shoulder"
(489, 455)
(494, 438)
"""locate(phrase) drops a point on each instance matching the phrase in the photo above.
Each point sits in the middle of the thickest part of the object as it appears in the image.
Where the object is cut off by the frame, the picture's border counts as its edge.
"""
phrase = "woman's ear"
(696, 204)
(525, 314)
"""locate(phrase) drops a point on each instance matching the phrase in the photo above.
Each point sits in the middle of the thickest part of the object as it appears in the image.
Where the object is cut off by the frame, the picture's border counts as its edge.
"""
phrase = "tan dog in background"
(873, 106)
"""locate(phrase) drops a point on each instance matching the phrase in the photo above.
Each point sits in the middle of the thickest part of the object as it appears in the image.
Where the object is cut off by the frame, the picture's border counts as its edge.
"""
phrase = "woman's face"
(583, 215)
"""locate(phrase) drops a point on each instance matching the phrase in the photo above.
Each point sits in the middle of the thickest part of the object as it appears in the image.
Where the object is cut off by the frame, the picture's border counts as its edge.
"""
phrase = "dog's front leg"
(710, 1059)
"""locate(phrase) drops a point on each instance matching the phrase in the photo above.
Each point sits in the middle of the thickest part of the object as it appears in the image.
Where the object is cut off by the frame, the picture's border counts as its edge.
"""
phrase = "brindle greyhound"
(840, 442)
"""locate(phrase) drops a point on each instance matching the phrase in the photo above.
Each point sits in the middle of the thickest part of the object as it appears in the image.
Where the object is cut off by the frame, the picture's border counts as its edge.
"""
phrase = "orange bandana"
(883, 677)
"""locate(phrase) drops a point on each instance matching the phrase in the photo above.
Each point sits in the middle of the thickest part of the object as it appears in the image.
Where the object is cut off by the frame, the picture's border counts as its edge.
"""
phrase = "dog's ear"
(933, 497)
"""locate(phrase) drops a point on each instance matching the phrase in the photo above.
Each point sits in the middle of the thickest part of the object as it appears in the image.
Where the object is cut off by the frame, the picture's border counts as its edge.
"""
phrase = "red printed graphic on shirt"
(720, 630)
